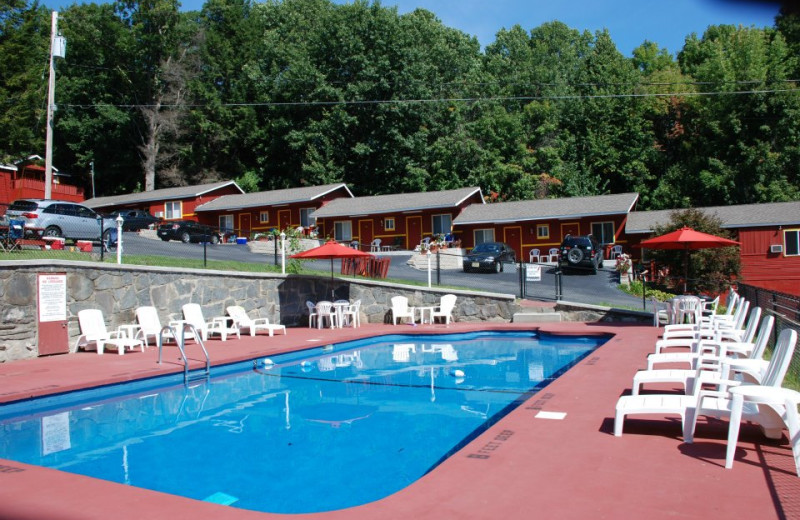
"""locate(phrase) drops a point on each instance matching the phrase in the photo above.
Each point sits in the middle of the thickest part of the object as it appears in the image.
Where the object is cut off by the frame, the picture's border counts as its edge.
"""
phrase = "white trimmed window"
(603, 232)
(263, 217)
(342, 231)
(484, 235)
(172, 210)
(791, 242)
(306, 220)
(442, 224)
(226, 223)
(543, 230)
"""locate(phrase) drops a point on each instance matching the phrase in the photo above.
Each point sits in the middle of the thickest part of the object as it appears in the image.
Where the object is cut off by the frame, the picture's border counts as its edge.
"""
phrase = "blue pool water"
(317, 430)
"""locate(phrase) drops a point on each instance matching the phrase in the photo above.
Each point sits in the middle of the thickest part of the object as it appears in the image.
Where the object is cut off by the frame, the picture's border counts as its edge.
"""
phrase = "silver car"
(59, 218)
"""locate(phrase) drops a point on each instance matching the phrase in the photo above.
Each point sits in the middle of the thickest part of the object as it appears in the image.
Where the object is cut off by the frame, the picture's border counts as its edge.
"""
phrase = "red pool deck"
(522, 467)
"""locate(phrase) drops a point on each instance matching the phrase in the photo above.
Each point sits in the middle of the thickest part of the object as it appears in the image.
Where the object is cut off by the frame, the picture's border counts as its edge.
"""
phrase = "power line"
(442, 100)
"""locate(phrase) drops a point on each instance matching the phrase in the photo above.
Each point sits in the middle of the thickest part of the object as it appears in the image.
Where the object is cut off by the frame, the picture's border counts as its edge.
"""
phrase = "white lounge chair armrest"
(260, 321)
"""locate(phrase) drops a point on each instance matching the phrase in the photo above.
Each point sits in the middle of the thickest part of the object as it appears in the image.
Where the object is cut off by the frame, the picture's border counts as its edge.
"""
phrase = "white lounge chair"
(193, 315)
(736, 348)
(769, 416)
(400, 309)
(242, 320)
(150, 327)
(702, 402)
(717, 359)
(93, 332)
(445, 308)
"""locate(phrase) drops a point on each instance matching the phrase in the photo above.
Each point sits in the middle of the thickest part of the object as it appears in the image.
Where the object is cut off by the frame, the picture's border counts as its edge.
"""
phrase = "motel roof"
(732, 217)
(398, 203)
(178, 192)
(271, 198)
(542, 209)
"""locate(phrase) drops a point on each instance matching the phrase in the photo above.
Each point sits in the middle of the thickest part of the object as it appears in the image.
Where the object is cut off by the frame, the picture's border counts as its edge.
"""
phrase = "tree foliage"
(287, 93)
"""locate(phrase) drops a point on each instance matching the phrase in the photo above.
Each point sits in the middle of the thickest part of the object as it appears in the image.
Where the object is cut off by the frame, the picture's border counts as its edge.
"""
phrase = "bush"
(635, 289)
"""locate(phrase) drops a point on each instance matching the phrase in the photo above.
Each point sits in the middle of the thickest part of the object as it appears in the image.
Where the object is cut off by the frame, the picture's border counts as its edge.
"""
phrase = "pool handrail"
(168, 330)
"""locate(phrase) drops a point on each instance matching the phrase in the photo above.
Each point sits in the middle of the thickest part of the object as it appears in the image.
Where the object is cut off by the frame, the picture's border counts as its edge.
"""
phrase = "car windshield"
(486, 248)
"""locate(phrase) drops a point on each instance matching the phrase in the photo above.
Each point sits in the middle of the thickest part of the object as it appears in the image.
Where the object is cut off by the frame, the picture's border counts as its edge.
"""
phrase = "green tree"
(24, 52)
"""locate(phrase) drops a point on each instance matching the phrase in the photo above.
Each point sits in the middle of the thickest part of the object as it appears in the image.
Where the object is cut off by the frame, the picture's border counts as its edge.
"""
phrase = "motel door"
(365, 233)
(284, 219)
(413, 231)
(513, 237)
(244, 225)
(569, 228)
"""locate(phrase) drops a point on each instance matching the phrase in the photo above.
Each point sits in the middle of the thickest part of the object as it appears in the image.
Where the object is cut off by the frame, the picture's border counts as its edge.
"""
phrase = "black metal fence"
(786, 310)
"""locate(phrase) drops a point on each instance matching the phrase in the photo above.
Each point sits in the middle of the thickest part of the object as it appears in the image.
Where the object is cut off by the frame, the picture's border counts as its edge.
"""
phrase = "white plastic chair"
(193, 315)
(352, 314)
(93, 331)
(444, 309)
(552, 255)
(324, 309)
(312, 313)
(242, 320)
(375, 246)
(535, 254)
(614, 252)
(400, 309)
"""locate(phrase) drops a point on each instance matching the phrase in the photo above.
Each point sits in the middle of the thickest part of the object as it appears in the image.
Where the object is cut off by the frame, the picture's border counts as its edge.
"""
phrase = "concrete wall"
(119, 290)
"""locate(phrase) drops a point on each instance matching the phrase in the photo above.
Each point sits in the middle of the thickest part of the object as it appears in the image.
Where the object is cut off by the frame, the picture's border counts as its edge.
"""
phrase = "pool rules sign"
(52, 298)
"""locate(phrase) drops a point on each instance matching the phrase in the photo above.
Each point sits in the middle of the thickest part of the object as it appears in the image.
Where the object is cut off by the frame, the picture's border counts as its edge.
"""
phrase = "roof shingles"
(397, 203)
(540, 209)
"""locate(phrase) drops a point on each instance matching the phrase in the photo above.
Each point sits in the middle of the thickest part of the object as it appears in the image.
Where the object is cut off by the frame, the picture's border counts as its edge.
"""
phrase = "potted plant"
(623, 267)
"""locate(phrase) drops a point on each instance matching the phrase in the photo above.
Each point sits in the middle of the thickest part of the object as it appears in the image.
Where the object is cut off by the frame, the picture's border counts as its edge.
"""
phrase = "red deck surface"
(522, 467)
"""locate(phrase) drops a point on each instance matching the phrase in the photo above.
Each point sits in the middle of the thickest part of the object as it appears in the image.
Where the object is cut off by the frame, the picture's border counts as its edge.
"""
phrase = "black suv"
(187, 231)
(580, 252)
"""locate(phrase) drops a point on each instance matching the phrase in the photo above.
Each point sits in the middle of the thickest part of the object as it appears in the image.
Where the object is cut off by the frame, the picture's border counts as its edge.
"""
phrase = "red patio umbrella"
(330, 250)
(687, 239)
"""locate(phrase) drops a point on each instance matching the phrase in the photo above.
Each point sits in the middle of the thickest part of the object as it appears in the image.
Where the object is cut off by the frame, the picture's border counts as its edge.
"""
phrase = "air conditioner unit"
(776, 248)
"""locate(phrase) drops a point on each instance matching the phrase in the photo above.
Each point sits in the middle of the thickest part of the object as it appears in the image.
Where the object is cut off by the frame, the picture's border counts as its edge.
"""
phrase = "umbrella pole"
(685, 268)
(333, 292)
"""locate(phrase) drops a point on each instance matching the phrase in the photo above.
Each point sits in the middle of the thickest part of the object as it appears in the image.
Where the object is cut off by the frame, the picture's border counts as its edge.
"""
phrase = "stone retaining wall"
(119, 290)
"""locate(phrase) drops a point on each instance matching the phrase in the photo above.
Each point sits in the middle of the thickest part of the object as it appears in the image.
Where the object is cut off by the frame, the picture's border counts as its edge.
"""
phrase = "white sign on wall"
(52, 297)
(55, 433)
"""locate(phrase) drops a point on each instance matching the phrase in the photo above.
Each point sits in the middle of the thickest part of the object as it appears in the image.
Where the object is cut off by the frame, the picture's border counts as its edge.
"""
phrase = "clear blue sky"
(630, 22)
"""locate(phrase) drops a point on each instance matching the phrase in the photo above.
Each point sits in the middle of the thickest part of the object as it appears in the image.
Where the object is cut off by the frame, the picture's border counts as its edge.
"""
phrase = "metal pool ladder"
(181, 341)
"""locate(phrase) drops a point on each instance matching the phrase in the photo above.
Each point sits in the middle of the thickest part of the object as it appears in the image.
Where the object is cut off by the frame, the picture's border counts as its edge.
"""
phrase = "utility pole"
(58, 46)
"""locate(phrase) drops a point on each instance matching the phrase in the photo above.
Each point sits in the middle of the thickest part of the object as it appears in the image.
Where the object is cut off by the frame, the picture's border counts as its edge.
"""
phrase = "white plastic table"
(422, 311)
(768, 395)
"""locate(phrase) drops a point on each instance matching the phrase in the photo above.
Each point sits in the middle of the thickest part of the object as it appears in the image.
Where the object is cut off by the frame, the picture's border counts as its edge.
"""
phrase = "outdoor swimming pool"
(316, 430)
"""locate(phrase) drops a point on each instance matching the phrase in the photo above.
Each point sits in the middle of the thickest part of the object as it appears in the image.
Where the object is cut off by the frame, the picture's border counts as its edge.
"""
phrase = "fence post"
(205, 254)
(521, 281)
(558, 294)
(438, 268)
(275, 242)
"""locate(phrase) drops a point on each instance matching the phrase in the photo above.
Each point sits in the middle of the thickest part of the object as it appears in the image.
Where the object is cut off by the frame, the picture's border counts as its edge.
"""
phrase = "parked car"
(134, 219)
(488, 256)
(188, 231)
(59, 218)
(580, 252)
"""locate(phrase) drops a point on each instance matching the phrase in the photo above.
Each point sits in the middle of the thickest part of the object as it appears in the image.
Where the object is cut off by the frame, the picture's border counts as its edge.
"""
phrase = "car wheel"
(466, 269)
(594, 268)
(214, 239)
(52, 231)
(498, 267)
(575, 256)
(185, 237)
